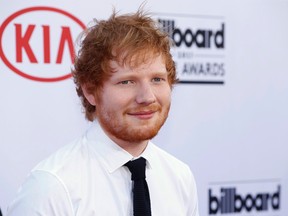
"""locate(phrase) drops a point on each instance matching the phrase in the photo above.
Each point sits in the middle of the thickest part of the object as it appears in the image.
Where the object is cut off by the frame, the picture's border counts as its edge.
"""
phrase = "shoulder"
(42, 193)
(63, 157)
(47, 188)
(67, 166)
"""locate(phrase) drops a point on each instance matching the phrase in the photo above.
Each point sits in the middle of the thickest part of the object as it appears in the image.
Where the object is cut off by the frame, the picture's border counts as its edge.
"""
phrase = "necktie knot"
(137, 168)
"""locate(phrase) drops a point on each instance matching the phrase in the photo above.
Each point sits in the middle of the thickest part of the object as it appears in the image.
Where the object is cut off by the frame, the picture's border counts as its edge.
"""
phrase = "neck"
(134, 148)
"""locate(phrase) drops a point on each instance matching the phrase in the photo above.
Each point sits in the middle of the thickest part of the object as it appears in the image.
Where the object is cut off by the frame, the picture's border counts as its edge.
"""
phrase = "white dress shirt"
(87, 178)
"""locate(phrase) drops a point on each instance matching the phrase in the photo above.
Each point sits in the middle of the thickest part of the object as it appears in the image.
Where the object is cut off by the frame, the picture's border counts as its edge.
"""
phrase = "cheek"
(117, 99)
(164, 96)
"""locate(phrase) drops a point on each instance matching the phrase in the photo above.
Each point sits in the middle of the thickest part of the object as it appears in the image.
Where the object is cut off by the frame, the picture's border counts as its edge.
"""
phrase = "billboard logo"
(37, 43)
(201, 38)
(199, 51)
(231, 200)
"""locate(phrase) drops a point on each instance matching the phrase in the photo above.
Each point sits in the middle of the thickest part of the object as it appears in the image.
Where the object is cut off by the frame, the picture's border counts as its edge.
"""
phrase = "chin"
(138, 135)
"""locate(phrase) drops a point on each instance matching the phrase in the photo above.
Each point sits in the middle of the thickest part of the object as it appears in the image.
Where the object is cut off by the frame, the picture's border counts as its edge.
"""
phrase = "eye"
(126, 82)
(158, 79)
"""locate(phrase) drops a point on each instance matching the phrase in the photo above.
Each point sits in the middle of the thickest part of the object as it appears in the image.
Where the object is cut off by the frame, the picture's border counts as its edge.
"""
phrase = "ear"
(89, 96)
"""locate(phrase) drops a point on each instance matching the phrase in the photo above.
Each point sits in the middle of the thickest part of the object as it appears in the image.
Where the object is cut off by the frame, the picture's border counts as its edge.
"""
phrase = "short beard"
(126, 132)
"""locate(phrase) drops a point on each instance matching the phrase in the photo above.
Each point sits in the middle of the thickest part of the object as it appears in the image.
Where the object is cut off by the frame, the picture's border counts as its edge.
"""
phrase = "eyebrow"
(160, 73)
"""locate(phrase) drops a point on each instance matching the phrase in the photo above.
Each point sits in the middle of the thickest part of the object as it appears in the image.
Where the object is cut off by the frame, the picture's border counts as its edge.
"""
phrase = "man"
(124, 74)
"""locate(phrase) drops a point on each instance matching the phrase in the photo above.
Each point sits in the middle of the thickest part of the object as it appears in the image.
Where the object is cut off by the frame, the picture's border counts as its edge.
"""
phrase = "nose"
(145, 94)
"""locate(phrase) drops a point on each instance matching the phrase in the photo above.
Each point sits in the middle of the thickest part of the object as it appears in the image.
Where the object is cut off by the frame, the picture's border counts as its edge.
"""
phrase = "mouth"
(143, 114)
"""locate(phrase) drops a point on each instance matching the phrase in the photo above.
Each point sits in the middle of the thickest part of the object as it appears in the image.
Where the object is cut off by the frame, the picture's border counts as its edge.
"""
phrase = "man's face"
(134, 102)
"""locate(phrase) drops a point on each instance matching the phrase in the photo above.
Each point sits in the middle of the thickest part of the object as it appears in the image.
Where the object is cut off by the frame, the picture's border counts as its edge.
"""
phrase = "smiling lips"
(143, 114)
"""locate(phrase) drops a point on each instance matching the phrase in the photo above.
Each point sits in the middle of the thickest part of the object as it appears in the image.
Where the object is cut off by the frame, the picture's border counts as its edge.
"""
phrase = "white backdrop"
(229, 115)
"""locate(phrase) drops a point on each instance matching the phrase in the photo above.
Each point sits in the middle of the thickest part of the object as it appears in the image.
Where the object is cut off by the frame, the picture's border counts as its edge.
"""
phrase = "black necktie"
(141, 198)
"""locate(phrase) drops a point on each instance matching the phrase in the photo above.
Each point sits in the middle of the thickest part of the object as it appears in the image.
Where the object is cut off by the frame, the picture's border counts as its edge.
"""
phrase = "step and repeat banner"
(229, 115)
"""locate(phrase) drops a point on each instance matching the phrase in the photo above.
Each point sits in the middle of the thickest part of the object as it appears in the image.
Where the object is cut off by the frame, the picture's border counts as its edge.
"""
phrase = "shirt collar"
(148, 155)
(113, 156)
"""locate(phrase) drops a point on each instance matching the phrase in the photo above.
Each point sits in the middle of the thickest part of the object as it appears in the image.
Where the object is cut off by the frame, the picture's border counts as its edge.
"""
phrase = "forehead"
(152, 62)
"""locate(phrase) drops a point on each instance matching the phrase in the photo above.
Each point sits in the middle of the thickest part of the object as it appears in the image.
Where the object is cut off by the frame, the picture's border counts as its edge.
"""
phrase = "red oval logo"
(37, 47)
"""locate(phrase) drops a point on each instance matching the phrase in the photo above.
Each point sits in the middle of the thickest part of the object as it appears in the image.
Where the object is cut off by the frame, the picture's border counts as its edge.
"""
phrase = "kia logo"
(38, 43)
